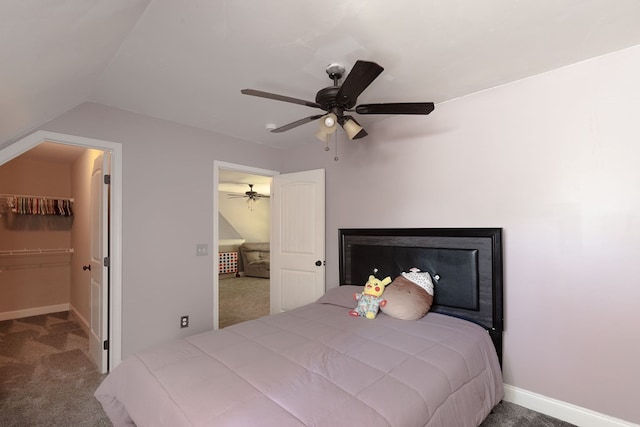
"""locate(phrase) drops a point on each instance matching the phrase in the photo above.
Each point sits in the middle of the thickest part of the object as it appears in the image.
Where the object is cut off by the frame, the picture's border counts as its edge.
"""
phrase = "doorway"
(112, 315)
(247, 223)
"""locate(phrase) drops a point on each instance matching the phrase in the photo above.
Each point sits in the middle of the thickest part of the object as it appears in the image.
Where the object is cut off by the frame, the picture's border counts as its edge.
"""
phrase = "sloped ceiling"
(52, 54)
(186, 61)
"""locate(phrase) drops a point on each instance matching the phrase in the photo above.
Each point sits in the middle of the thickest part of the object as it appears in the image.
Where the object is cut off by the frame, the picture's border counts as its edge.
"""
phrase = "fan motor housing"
(327, 98)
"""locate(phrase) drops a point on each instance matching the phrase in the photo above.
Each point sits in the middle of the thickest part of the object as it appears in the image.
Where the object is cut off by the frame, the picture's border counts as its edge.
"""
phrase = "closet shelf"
(23, 252)
(4, 196)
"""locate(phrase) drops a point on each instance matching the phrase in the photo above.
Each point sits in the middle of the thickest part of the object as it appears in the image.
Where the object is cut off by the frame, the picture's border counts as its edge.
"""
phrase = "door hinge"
(107, 261)
(105, 345)
(107, 179)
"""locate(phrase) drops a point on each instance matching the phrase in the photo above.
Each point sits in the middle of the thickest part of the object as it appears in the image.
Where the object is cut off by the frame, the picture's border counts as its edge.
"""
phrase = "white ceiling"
(238, 182)
(53, 152)
(187, 61)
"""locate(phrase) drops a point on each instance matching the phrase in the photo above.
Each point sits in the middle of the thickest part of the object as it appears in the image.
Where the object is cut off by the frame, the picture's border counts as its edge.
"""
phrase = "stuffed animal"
(370, 300)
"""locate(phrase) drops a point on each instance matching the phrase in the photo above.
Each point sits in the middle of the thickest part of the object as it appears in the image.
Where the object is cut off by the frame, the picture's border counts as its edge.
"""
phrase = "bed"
(316, 365)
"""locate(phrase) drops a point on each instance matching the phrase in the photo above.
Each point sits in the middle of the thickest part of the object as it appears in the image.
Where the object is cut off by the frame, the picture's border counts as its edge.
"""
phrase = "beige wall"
(34, 284)
(252, 224)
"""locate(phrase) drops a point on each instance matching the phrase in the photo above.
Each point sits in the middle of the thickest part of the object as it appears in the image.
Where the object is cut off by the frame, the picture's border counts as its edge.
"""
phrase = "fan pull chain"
(326, 148)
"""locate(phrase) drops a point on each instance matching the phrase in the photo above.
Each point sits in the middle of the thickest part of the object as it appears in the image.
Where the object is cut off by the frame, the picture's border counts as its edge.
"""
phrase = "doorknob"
(86, 267)
(318, 263)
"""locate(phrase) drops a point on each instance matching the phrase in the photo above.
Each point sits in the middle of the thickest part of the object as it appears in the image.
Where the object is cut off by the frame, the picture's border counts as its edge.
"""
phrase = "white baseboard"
(564, 411)
(35, 311)
(83, 322)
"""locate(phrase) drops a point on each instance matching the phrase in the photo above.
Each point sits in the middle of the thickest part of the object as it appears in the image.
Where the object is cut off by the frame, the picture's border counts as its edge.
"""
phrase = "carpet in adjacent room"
(241, 299)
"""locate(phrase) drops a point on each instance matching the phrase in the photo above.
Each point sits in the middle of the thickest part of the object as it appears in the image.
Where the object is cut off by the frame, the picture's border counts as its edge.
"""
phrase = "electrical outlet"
(184, 321)
(202, 249)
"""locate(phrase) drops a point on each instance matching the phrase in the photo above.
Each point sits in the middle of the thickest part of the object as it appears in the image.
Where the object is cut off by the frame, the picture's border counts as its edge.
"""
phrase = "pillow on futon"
(252, 256)
(409, 296)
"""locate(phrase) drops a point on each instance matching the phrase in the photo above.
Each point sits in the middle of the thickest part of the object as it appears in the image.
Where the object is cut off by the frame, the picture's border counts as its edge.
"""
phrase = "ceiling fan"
(339, 99)
(252, 196)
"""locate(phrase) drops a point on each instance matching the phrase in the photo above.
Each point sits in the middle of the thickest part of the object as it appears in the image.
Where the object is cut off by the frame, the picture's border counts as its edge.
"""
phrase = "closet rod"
(31, 266)
(37, 197)
(36, 252)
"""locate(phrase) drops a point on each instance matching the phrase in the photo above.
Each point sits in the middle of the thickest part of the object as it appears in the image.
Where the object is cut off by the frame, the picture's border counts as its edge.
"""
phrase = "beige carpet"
(47, 377)
(242, 298)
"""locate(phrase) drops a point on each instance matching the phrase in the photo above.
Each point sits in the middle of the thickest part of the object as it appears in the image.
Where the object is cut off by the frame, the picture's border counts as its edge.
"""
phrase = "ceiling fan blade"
(296, 123)
(359, 78)
(396, 108)
(277, 97)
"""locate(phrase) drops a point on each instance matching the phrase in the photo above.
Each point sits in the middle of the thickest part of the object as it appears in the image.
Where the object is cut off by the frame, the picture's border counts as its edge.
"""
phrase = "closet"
(29, 212)
(38, 218)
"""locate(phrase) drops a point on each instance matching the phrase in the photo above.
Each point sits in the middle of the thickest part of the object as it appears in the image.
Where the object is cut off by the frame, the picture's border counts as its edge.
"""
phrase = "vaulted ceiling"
(186, 61)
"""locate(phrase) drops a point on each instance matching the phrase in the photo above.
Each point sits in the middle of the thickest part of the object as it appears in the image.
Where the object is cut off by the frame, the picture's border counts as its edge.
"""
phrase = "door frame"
(115, 299)
(217, 165)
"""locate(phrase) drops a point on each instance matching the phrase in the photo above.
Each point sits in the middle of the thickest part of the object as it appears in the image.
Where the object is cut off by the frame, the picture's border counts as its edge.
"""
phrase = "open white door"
(99, 273)
(297, 239)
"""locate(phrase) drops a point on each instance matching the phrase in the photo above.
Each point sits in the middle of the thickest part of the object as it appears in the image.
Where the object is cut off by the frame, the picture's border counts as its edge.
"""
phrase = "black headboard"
(465, 264)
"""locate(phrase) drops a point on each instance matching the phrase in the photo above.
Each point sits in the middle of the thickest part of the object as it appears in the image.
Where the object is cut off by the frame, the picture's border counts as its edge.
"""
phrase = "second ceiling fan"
(339, 99)
(251, 196)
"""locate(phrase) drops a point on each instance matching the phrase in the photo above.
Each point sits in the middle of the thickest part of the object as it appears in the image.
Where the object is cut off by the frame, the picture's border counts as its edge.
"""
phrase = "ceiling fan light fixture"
(328, 125)
(330, 121)
(352, 129)
(322, 136)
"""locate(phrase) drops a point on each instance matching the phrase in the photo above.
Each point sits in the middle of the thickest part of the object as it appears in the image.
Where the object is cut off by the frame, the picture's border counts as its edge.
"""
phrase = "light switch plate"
(202, 249)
